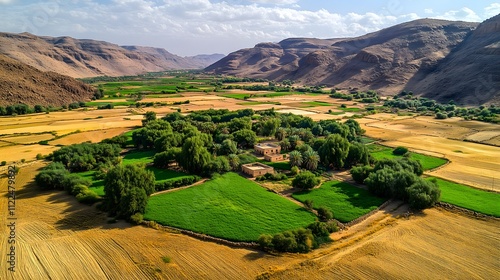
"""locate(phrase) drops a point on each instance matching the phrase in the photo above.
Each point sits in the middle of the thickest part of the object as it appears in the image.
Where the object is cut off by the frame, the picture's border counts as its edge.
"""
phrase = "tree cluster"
(301, 240)
(56, 176)
(86, 156)
(399, 178)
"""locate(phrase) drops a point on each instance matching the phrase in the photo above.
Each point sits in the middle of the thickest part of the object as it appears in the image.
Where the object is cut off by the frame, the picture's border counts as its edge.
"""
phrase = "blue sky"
(189, 27)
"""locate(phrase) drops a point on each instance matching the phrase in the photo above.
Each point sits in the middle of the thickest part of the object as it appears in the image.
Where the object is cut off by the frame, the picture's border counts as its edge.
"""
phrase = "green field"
(155, 85)
(428, 162)
(470, 198)
(138, 156)
(346, 201)
(316, 103)
(280, 165)
(229, 207)
(97, 185)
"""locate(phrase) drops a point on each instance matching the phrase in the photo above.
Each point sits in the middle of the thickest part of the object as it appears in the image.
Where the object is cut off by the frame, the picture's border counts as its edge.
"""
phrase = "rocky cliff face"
(470, 73)
(89, 58)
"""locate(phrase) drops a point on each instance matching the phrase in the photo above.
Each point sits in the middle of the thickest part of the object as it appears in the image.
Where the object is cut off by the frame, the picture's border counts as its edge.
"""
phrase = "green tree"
(270, 126)
(324, 213)
(423, 194)
(194, 157)
(358, 154)
(295, 158)
(245, 138)
(305, 180)
(285, 145)
(228, 146)
(334, 151)
(240, 123)
(126, 189)
(280, 133)
(234, 162)
(310, 159)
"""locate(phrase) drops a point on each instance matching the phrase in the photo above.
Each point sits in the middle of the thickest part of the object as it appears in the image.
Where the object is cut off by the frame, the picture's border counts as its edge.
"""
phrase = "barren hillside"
(20, 83)
(385, 60)
(470, 74)
(89, 58)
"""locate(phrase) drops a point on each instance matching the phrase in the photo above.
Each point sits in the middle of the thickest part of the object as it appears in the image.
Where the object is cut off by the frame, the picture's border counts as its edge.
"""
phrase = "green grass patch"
(138, 156)
(346, 201)
(353, 109)
(317, 103)
(280, 165)
(470, 198)
(97, 185)
(366, 140)
(166, 174)
(428, 162)
(229, 207)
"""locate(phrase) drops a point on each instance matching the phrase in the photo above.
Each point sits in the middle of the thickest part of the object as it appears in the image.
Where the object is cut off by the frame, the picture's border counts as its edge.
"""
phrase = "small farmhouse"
(267, 148)
(256, 169)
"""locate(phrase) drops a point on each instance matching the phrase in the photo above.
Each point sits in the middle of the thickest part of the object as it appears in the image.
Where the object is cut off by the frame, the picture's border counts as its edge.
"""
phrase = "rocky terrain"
(89, 58)
(21, 83)
(445, 60)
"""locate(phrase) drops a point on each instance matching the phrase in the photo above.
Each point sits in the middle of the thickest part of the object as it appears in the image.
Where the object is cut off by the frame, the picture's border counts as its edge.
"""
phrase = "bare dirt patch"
(27, 152)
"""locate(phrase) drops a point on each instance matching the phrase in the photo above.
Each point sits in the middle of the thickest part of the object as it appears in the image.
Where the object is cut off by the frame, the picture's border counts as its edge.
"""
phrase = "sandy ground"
(28, 139)
(58, 238)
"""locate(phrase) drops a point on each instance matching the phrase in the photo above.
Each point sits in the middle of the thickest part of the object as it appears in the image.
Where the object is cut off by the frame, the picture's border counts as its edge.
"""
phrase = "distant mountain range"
(89, 58)
(443, 60)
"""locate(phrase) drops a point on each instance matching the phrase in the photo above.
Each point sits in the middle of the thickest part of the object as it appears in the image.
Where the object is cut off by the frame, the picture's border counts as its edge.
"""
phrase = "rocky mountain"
(389, 60)
(470, 73)
(88, 58)
(21, 83)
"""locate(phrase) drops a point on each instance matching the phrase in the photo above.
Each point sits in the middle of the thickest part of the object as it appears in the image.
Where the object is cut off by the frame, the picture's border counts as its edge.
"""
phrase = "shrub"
(3, 163)
(399, 151)
(423, 194)
(87, 197)
(324, 214)
(308, 204)
(305, 180)
(294, 171)
(360, 173)
(265, 241)
(77, 189)
(137, 218)
(441, 116)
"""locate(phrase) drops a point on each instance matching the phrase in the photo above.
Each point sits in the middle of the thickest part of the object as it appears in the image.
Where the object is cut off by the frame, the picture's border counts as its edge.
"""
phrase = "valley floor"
(58, 238)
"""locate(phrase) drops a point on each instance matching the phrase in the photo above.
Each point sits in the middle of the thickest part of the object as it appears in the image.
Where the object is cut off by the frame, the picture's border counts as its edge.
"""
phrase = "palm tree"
(234, 161)
(285, 145)
(295, 158)
(310, 159)
(280, 134)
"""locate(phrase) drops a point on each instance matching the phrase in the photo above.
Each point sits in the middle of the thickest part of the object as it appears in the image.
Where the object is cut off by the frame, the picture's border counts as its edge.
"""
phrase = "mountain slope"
(385, 60)
(89, 58)
(470, 74)
(20, 83)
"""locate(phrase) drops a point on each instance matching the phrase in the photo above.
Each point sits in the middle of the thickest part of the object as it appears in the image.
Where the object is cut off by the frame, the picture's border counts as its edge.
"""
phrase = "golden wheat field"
(58, 238)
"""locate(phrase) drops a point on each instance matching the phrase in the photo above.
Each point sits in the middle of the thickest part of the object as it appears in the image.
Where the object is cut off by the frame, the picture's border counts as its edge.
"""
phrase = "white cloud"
(6, 1)
(492, 10)
(276, 2)
(428, 11)
(464, 14)
(189, 27)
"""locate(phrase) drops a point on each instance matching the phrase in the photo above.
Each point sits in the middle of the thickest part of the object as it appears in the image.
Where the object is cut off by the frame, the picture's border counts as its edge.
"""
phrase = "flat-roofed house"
(256, 169)
(267, 148)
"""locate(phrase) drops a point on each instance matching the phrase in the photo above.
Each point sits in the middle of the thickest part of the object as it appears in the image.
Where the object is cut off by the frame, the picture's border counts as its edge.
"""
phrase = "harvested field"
(394, 248)
(28, 139)
(92, 136)
(78, 243)
(475, 165)
(483, 136)
(27, 152)
(470, 163)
